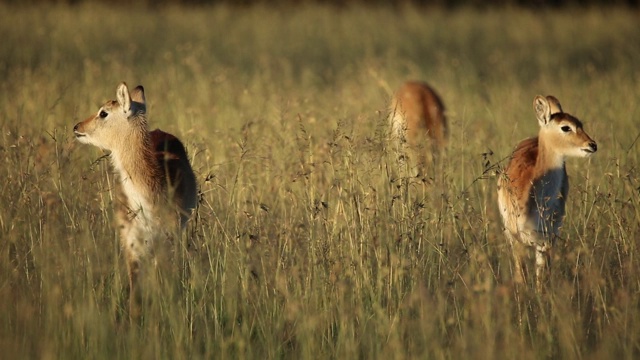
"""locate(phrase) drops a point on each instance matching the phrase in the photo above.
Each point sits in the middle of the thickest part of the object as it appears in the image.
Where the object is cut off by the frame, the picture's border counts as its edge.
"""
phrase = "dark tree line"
(339, 3)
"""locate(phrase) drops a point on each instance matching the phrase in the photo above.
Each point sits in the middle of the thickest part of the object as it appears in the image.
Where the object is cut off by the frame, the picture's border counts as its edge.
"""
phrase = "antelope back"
(173, 160)
(417, 111)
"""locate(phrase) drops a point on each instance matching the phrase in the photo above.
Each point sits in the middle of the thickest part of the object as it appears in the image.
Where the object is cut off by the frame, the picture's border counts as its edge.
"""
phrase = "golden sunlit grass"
(307, 242)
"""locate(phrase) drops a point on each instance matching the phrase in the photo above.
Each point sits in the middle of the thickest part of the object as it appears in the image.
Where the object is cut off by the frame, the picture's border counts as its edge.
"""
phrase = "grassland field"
(308, 243)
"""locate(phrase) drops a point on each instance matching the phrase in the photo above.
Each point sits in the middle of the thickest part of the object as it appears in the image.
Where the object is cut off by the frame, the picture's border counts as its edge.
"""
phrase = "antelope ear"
(554, 104)
(542, 109)
(138, 99)
(124, 99)
(137, 94)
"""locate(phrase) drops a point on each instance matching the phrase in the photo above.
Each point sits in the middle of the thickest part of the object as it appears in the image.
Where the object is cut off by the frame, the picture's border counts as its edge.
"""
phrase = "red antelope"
(532, 191)
(417, 113)
(156, 182)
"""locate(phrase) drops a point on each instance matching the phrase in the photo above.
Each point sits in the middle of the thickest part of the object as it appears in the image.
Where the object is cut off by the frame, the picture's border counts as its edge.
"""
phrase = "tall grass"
(307, 243)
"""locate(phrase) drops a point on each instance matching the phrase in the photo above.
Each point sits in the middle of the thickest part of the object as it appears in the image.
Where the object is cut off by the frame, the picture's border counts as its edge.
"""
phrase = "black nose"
(75, 128)
(593, 146)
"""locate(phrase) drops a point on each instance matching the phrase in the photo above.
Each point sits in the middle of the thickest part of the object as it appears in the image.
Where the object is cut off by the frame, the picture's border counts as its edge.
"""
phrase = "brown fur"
(533, 189)
(417, 112)
(155, 177)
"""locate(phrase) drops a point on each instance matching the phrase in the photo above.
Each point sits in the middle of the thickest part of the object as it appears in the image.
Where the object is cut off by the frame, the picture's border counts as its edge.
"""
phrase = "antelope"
(155, 178)
(417, 113)
(533, 189)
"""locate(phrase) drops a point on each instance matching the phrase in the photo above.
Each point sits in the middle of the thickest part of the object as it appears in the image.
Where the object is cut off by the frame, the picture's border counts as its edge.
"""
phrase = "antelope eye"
(566, 128)
(103, 114)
